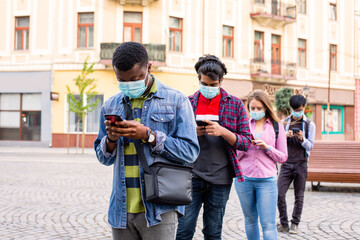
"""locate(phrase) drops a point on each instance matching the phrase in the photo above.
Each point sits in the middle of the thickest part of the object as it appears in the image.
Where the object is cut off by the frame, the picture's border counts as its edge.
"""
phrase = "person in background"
(258, 193)
(161, 119)
(222, 129)
(300, 133)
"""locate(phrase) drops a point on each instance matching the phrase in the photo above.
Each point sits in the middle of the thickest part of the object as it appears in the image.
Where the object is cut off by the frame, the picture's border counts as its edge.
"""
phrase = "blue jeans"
(214, 198)
(258, 198)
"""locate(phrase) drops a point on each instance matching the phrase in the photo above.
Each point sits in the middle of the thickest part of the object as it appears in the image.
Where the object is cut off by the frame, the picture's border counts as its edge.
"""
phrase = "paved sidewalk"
(48, 194)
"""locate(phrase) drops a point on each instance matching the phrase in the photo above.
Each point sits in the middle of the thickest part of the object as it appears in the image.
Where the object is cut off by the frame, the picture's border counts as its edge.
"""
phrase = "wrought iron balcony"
(273, 13)
(156, 53)
(137, 2)
(272, 69)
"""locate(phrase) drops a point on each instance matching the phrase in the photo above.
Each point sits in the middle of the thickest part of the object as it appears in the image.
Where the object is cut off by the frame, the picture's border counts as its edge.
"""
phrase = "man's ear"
(221, 80)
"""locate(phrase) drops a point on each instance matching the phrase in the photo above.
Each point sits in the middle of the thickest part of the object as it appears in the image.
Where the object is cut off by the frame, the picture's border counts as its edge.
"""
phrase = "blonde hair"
(262, 97)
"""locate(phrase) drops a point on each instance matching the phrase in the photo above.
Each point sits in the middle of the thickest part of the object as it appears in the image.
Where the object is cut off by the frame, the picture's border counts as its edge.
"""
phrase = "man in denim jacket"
(164, 120)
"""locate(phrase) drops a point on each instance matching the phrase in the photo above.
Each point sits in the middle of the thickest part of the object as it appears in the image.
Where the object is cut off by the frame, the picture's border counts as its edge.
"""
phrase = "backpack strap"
(307, 124)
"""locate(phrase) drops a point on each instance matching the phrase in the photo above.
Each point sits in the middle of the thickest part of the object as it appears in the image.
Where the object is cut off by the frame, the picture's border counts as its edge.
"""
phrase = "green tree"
(282, 97)
(80, 103)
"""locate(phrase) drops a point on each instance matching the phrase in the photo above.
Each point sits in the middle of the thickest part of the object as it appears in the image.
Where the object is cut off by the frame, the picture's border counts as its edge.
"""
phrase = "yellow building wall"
(106, 84)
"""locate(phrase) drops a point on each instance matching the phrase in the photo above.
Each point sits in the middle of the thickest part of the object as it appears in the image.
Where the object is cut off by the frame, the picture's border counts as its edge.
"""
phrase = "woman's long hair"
(262, 97)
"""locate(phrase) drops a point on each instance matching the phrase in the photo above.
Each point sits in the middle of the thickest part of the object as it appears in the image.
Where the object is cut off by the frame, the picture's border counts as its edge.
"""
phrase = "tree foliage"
(85, 91)
(282, 98)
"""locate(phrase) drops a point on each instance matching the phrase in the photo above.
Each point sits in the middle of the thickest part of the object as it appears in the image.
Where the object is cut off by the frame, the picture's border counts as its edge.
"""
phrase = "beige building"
(265, 44)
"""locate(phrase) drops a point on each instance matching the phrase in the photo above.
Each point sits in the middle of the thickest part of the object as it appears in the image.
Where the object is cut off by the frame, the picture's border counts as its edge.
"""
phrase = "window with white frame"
(91, 119)
(301, 5)
(175, 34)
(85, 30)
(22, 29)
(332, 11)
(228, 41)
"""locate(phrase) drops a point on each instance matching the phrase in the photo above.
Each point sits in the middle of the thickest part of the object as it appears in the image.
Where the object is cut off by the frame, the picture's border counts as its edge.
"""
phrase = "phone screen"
(201, 123)
(113, 118)
(252, 137)
(295, 130)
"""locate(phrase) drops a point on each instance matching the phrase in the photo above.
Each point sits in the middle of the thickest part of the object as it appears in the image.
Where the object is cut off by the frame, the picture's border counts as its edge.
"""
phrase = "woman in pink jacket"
(258, 193)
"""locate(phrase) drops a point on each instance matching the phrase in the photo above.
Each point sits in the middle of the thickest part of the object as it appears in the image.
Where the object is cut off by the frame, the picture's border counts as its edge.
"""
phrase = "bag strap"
(276, 128)
(307, 123)
(141, 156)
(139, 146)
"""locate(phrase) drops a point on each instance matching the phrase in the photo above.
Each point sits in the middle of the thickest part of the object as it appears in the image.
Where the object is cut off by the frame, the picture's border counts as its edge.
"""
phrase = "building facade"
(309, 46)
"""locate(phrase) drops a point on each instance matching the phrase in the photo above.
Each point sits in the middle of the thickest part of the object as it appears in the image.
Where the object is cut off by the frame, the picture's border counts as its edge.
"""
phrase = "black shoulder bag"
(165, 183)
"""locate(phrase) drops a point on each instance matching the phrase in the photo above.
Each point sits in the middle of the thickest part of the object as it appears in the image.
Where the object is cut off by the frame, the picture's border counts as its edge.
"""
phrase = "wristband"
(112, 141)
(268, 149)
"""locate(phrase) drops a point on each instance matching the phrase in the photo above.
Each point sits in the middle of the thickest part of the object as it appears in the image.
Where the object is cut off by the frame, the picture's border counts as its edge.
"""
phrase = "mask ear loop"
(146, 75)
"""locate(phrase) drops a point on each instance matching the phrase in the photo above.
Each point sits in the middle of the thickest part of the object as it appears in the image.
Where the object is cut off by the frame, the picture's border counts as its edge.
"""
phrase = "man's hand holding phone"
(213, 128)
(116, 127)
(201, 127)
(289, 134)
(299, 134)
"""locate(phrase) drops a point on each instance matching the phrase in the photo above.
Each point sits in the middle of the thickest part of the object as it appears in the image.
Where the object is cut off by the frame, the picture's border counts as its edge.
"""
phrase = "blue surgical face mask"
(257, 115)
(297, 114)
(133, 89)
(209, 92)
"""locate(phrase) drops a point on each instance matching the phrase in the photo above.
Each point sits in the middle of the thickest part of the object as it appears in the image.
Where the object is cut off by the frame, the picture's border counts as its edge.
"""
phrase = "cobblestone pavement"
(47, 194)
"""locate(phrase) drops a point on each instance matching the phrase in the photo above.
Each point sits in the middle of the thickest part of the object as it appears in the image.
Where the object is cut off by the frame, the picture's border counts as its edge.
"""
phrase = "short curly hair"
(210, 66)
(129, 54)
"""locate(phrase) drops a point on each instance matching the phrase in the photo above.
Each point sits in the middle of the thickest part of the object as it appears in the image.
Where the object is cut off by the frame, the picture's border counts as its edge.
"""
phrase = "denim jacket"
(169, 113)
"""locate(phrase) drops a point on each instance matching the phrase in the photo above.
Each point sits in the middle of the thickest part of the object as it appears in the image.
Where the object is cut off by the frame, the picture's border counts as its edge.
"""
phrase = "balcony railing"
(272, 69)
(273, 13)
(138, 2)
(156, 52)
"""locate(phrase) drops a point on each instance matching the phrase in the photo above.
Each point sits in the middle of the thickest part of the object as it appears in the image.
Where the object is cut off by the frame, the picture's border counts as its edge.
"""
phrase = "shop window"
(228, 41)
(20, 116)
(175, 34)
(22, 29)
(332, 121)
(86, 30)
(91, 120)
(132, 27)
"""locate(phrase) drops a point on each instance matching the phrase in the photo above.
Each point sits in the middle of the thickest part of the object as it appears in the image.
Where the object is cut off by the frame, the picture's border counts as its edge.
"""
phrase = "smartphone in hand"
(201, 123)
(113, 118)
(252, 138)
(295, 130)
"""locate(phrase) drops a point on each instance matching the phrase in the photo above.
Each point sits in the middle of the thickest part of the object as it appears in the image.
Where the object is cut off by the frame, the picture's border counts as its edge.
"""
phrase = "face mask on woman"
(257, 115)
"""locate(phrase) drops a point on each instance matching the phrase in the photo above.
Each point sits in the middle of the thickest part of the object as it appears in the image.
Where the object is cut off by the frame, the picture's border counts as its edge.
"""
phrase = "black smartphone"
(295, 130)
(113, 118)
(252, 138)
(201, 123)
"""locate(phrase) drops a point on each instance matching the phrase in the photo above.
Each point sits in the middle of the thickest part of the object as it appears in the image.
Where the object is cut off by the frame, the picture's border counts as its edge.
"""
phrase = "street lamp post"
(306, 91)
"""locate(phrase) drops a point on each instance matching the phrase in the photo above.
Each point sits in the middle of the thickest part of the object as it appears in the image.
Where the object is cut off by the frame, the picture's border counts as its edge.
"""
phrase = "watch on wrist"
(151, 136)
